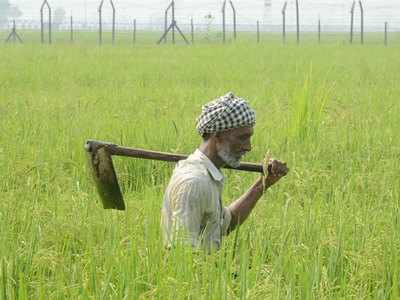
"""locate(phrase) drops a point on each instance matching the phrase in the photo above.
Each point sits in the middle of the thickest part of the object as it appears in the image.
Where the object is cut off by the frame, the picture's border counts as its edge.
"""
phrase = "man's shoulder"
(192, 171)
(189, 178)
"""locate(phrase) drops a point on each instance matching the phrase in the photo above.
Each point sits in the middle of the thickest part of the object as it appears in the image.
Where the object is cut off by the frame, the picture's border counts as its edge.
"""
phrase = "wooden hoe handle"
(99, 156)
(113, 149)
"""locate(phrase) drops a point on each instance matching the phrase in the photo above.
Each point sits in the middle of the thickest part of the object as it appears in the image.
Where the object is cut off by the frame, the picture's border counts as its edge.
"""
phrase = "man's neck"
(210, 150)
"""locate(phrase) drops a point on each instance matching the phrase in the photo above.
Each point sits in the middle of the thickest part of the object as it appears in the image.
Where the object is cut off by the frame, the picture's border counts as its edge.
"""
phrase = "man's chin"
(233, 163)
(229, 159)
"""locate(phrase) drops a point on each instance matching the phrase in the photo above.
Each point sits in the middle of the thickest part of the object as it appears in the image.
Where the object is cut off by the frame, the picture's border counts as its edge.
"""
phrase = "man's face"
(233, 144)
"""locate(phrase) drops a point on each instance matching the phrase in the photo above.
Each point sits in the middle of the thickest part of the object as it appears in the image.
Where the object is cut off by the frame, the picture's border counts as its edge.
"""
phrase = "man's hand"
(241, 208)
(274, 170)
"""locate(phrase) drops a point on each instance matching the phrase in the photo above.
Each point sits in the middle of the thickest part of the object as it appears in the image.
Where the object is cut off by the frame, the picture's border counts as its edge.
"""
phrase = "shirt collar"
(212, 169)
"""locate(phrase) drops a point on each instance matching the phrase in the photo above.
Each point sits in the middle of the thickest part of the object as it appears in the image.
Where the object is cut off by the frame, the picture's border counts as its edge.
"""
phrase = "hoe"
(102, 168)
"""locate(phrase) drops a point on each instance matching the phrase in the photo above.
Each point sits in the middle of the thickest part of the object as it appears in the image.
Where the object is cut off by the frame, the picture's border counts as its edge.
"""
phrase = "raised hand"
(274, 170)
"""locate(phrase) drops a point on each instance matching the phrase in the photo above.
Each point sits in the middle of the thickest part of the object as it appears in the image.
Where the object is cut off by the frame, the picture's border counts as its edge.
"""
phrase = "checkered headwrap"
(224, 113)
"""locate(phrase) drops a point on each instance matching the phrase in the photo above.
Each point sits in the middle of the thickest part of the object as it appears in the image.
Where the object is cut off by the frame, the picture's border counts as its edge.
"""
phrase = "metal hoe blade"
(101, 166)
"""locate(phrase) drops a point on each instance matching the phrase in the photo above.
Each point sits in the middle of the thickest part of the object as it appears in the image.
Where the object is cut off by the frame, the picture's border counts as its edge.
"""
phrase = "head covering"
(226, 112)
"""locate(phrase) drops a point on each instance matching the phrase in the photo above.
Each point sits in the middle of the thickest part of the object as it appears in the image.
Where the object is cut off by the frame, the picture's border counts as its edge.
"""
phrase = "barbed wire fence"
(111, 22)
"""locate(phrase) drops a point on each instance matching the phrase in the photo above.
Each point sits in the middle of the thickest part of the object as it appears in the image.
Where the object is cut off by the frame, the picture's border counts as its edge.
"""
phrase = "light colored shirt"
(192, 210)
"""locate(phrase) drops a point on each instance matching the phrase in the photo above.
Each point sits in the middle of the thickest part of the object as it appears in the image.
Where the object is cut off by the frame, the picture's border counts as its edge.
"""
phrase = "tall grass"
(307, 107)
(329, 230)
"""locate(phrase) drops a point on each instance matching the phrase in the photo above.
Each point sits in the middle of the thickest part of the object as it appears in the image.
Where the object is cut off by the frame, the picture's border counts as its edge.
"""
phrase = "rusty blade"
(102, 168)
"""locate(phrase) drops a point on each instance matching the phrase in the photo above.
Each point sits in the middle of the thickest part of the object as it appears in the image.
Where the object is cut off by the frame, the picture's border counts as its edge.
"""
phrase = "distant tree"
(59, 17)
(8, 11)
(14, 12)
(4, 8)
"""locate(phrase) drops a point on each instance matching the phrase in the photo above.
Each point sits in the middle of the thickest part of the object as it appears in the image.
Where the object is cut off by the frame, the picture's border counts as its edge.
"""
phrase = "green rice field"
(329, 230)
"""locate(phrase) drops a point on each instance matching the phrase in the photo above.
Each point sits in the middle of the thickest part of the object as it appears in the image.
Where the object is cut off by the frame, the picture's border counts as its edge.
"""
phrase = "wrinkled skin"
(232, 144)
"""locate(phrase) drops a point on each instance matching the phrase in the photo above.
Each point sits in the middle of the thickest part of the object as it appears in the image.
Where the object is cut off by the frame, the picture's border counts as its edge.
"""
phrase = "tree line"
(9, 12)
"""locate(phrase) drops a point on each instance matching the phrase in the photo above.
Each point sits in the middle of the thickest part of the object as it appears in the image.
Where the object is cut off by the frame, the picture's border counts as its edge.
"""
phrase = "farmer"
(192, 211)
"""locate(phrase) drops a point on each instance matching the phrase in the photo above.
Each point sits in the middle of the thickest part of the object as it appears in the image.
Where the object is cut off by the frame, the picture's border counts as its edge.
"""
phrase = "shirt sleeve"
(188, 200)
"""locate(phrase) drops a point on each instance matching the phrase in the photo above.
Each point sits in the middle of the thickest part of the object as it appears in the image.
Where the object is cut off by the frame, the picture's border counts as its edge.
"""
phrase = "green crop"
(329, 230)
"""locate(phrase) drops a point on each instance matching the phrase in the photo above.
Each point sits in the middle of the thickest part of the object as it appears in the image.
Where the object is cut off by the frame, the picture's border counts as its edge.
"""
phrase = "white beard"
(225, 154)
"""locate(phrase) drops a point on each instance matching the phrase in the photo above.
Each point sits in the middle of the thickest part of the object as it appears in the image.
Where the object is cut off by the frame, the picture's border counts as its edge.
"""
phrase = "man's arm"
(241, 208)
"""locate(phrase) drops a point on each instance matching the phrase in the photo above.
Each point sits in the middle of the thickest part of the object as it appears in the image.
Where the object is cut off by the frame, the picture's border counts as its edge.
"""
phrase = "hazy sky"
(330, 11)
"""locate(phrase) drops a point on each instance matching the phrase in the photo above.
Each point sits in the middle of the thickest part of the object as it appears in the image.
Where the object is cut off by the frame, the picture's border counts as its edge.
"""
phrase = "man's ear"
(206, 137)
(218, 136)
(222, 135)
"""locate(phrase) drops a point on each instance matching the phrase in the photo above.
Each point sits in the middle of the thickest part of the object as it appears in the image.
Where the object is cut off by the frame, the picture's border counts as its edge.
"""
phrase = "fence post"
(234, 19)
(71, 36)
(172, 26)
(297, 21)
(258, 31)
(100, 10)
(352, 22)
(319, 31)
(41, 28)
(223, 22)
(166, 22)
(192, 30)
(134, 31)
(173, 21)
(13, 36)
(100, 23)
(284, 22)
(45, 3)
(362, 22)
(386, 33)
(14, 29)
(113, 21)
(50, 27)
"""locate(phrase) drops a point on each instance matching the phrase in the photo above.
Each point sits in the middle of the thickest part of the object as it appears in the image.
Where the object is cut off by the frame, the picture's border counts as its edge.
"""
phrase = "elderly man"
(192, 210)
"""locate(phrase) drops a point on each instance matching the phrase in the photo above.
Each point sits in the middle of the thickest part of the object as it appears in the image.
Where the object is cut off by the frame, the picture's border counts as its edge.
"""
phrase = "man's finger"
(285, 171)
